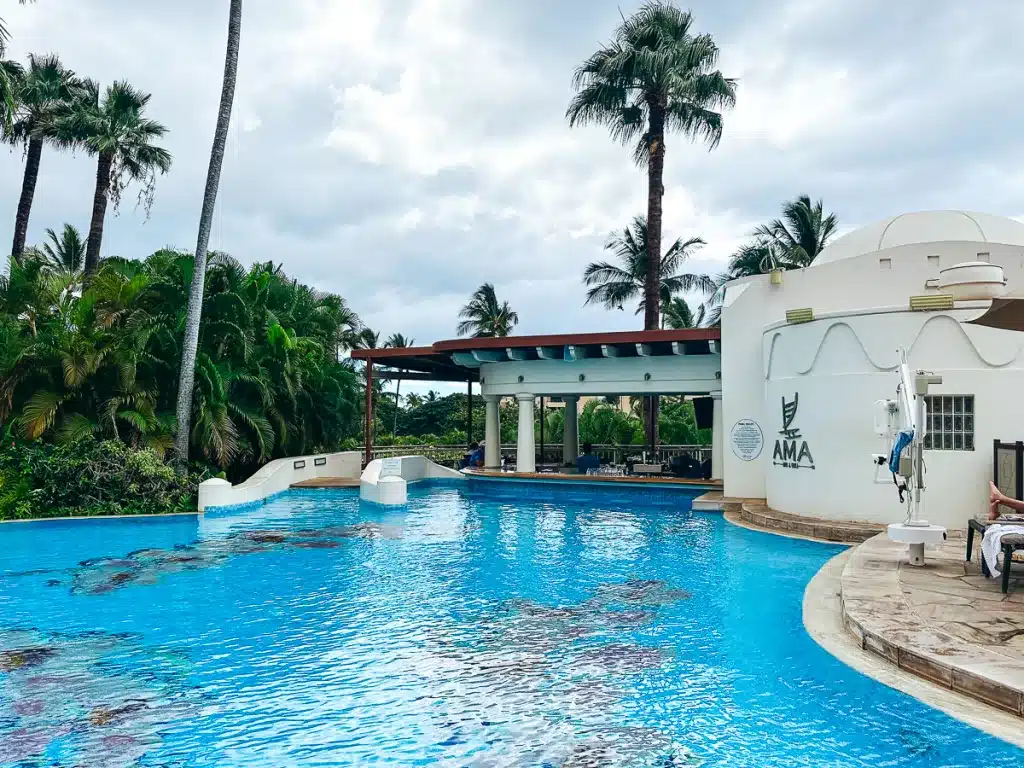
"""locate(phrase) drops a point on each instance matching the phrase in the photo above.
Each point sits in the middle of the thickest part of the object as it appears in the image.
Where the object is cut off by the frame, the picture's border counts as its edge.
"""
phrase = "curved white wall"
(839, 366)
(384, 490)
(276, 476)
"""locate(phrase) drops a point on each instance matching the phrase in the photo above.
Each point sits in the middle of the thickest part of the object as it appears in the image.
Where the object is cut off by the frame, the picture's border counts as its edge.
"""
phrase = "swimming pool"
(536, 626)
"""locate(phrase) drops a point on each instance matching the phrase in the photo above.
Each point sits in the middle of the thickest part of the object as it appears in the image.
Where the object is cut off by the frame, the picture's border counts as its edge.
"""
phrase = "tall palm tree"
(484, 316)
(186, 377)
(10, 72)
(614, 285)
(397, 341)
(655, 75)
(45, 89)
(64, 254)
(116, 130)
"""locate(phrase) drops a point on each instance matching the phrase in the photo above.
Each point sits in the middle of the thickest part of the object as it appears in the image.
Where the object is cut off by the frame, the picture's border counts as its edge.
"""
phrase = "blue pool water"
(552, 627)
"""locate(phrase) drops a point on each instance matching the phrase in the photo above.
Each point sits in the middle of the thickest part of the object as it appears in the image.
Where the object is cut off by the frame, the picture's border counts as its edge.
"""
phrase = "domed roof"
(924, 227)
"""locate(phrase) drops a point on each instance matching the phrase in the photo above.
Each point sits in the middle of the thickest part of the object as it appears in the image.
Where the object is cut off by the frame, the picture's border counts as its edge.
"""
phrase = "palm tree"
(614, 285)
(397, 341)
(186, 377)
(654, 76)
(483, 316)
(117, 132)
(64, 254)
(800, 235)
(10, 73)
(676, 314)
(45, 89)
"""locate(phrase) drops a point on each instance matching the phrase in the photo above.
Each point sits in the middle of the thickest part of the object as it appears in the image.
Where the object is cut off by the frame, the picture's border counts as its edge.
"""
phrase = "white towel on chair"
(990, 545)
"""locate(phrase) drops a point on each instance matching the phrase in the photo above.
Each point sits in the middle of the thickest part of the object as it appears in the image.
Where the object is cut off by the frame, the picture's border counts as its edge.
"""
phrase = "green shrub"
(88, 478)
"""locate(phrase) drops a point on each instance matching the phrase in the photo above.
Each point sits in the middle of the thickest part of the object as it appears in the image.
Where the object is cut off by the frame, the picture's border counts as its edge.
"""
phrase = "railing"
(449, 455)
(1008, 469)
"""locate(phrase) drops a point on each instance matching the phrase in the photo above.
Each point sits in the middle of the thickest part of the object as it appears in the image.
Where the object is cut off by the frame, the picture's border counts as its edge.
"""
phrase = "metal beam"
(520, 354)
(577, 352)
(551, 353)
(609, 350)
(644, 350)
(678, 347)
(465, 359)
(368, 426)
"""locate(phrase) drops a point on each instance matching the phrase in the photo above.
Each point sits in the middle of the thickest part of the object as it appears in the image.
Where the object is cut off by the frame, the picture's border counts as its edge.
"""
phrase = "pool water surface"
(529, 627)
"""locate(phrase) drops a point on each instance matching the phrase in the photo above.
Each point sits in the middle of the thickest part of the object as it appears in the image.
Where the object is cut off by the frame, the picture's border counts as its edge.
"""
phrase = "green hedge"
(88, 478)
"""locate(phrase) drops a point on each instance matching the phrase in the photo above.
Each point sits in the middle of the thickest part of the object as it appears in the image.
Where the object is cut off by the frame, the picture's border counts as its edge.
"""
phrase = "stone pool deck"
(944, 622)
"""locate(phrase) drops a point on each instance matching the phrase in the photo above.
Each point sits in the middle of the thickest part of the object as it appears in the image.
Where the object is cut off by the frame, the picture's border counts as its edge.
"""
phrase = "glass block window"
(950, 423)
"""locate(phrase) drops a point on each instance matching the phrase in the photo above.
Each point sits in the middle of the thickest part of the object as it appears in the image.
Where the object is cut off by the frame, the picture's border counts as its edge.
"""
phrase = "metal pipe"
(368, 426)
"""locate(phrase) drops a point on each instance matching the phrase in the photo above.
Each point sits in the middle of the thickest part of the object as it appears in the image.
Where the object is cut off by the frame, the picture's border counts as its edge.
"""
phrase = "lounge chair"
(1011, 546)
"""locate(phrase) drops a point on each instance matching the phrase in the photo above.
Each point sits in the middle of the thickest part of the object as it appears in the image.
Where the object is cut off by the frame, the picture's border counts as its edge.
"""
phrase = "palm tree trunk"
(394, 429)
(28, 191)
(652, 287)
(655, 192)
(189, 347)
(99, 212)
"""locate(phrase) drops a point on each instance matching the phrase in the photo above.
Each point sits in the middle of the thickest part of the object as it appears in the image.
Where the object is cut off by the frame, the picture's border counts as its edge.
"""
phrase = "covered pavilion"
(567, 366)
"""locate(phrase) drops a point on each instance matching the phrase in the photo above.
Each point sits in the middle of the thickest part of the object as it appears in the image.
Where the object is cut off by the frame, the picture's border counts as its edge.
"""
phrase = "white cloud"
(401, 152)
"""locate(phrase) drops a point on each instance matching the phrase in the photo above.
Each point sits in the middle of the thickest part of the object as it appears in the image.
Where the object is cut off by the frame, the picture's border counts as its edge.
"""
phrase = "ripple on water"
(461, 631)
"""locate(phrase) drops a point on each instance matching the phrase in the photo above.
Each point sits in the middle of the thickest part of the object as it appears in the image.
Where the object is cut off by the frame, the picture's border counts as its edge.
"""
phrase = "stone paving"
(944, 621)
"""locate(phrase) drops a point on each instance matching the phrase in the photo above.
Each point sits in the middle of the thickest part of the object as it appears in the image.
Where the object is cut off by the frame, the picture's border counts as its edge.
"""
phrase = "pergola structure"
(666, 362)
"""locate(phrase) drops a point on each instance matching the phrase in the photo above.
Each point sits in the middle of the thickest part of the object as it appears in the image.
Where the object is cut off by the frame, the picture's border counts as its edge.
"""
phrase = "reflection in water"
(88, 699)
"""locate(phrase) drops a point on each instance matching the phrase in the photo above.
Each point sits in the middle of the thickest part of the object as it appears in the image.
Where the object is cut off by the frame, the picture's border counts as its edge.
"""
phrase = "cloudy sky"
(402, 152)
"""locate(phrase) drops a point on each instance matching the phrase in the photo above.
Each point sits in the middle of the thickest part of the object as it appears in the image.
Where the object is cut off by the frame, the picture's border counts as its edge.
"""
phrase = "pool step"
(841, 531)
(715, 501)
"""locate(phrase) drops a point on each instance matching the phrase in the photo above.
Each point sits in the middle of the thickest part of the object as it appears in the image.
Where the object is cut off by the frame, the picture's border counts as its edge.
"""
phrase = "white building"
(796, 369)
(822, 345)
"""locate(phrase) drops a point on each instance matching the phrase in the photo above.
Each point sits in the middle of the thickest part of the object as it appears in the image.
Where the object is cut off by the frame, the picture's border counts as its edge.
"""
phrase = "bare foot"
(995, 498)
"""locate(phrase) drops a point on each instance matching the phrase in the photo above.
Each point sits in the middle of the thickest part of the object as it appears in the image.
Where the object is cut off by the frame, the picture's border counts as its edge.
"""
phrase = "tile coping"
(881, 619)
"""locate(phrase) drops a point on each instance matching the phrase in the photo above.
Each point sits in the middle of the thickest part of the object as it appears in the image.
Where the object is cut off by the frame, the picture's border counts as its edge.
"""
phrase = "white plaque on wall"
(390, 467)
(746, 439)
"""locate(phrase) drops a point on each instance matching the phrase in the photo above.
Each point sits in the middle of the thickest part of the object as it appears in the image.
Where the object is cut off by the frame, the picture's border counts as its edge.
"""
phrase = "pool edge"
(823, 621)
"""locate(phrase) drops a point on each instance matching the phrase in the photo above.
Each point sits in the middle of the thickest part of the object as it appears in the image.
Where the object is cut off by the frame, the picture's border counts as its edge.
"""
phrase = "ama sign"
(791, 449)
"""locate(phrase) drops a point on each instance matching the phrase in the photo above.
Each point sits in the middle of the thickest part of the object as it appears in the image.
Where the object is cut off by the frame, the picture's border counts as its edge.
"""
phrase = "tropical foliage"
(655, 76)
(64, 253)
(485, 316)
(790, 242)
(614, 285)
(89, 477)
(102, 361)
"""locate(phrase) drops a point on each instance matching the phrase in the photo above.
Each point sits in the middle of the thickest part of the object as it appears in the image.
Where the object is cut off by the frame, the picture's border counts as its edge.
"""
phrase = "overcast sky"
(402, 152)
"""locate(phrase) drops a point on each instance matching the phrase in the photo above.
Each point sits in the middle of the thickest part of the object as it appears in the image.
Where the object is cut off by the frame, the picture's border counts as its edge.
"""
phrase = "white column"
(717, 437)
(525, 448)
(570, 431)
(492, 433)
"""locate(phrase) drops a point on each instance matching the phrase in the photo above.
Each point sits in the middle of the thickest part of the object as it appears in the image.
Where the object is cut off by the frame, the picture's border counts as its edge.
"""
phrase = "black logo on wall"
(791, 449)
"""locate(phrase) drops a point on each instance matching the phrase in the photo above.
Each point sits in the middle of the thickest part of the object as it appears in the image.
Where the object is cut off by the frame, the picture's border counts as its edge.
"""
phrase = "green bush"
(87, 478)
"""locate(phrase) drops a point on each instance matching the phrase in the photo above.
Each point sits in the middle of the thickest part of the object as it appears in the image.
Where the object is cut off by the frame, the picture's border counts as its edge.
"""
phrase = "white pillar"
(525, 450)
(717, 437)
(571, 431)
(492, 433)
